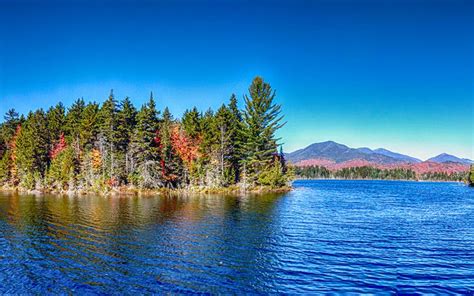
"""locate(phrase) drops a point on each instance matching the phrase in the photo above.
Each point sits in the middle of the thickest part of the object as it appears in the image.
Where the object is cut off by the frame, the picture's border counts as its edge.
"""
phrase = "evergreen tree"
(89, 126)
(236, 136)
(169, 161)
(108, 134)
(223, 145)
(33, 149)
(126, 122)
(7, 129)
(55, 118)
(262, 119)
(144, 150)
(73, 121)
(191, 122)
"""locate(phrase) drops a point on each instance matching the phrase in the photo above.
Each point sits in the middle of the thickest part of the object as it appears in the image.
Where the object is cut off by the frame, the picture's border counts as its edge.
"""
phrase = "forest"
(368, 172)
(91, 147)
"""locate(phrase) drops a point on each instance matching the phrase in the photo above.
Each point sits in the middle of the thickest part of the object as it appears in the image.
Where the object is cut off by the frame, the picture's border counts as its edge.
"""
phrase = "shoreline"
(392, 180)
(131, 192)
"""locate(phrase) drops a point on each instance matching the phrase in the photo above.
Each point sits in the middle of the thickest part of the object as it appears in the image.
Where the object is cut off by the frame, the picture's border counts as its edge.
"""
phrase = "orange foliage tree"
(186, 147)
(96, 159)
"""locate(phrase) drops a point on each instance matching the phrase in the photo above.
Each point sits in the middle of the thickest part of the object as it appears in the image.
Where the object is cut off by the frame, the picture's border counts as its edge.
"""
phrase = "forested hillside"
(92, 147)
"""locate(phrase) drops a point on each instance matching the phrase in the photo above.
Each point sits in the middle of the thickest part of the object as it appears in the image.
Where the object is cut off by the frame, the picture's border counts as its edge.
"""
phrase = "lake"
(324, 236)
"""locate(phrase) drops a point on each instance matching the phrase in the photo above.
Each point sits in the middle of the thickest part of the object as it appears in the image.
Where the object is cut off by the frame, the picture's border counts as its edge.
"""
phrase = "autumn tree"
(186, 147)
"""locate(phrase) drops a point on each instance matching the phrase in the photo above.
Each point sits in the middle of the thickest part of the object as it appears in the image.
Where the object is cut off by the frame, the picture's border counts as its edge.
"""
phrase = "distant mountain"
(340, 153)
(332, 152)
(398, 156)
(444, 158)
(402, 157)
(335, 156)
(365, 150)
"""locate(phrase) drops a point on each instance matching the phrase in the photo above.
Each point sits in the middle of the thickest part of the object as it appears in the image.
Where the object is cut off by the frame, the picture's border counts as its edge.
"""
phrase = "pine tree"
(126, 121)
(223, 147)
(126, 118)
(108, 132)
(169, 161)
(262, 119)
(144, 152)
(33, 149)
(89, 126)
(55, 118)
(191, 122)
(73, 121)
(7, 129)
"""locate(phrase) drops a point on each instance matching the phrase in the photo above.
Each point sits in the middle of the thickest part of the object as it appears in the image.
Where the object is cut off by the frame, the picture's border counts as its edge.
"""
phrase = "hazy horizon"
(395, 75)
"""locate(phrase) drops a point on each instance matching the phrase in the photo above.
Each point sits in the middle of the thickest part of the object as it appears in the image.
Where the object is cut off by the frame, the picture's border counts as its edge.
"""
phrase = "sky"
(392, 74)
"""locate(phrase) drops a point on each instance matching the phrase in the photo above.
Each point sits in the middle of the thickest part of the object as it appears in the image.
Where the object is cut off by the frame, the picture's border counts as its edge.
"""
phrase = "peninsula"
(113, 147)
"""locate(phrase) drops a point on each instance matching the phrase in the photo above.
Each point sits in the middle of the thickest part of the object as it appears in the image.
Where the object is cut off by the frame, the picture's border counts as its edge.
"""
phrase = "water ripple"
(323, 237)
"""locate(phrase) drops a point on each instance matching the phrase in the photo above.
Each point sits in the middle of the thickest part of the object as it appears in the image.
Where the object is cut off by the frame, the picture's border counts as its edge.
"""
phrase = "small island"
(113, 147)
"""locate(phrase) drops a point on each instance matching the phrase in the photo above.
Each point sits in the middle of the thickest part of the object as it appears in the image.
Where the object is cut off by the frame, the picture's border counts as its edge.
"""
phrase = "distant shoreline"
(403, 180)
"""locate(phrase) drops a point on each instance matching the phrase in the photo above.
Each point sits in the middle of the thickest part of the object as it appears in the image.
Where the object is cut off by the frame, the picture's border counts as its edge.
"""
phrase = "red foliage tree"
(58, 147)
(186, 147)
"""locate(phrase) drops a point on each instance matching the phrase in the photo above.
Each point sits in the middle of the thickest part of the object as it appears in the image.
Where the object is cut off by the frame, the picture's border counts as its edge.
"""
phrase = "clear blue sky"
(393, 74)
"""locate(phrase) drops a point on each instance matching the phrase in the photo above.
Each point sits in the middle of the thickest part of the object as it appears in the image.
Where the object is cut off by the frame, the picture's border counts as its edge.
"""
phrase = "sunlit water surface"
(325, 236)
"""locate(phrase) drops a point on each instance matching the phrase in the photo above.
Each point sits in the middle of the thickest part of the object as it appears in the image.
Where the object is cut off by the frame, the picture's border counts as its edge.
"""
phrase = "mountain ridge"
(339, 153)
(445, 157)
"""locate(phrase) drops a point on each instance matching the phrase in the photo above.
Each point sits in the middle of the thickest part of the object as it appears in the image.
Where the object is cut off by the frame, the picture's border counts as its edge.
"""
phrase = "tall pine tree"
(261, 120)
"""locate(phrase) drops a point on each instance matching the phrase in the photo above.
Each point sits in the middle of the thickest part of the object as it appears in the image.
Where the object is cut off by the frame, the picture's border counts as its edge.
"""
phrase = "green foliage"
(7, 129)
(89, 126)
(261, 120)
(73, 121)
(191, 122)
(273, 176)
(55, 118)
(33, 146)
(61, 170)
(143, 146)
(5, 168)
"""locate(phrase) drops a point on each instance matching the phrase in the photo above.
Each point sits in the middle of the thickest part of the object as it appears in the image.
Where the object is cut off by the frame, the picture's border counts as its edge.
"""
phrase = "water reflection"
(176, 243)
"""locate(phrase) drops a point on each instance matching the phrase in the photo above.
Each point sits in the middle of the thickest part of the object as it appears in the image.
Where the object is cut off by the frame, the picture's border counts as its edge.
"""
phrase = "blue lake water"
(325, 236)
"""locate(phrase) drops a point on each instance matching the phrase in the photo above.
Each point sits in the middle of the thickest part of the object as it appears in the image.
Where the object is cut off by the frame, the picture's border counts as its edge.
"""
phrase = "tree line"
(368, 172)
(95, 147)
(470, 179)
